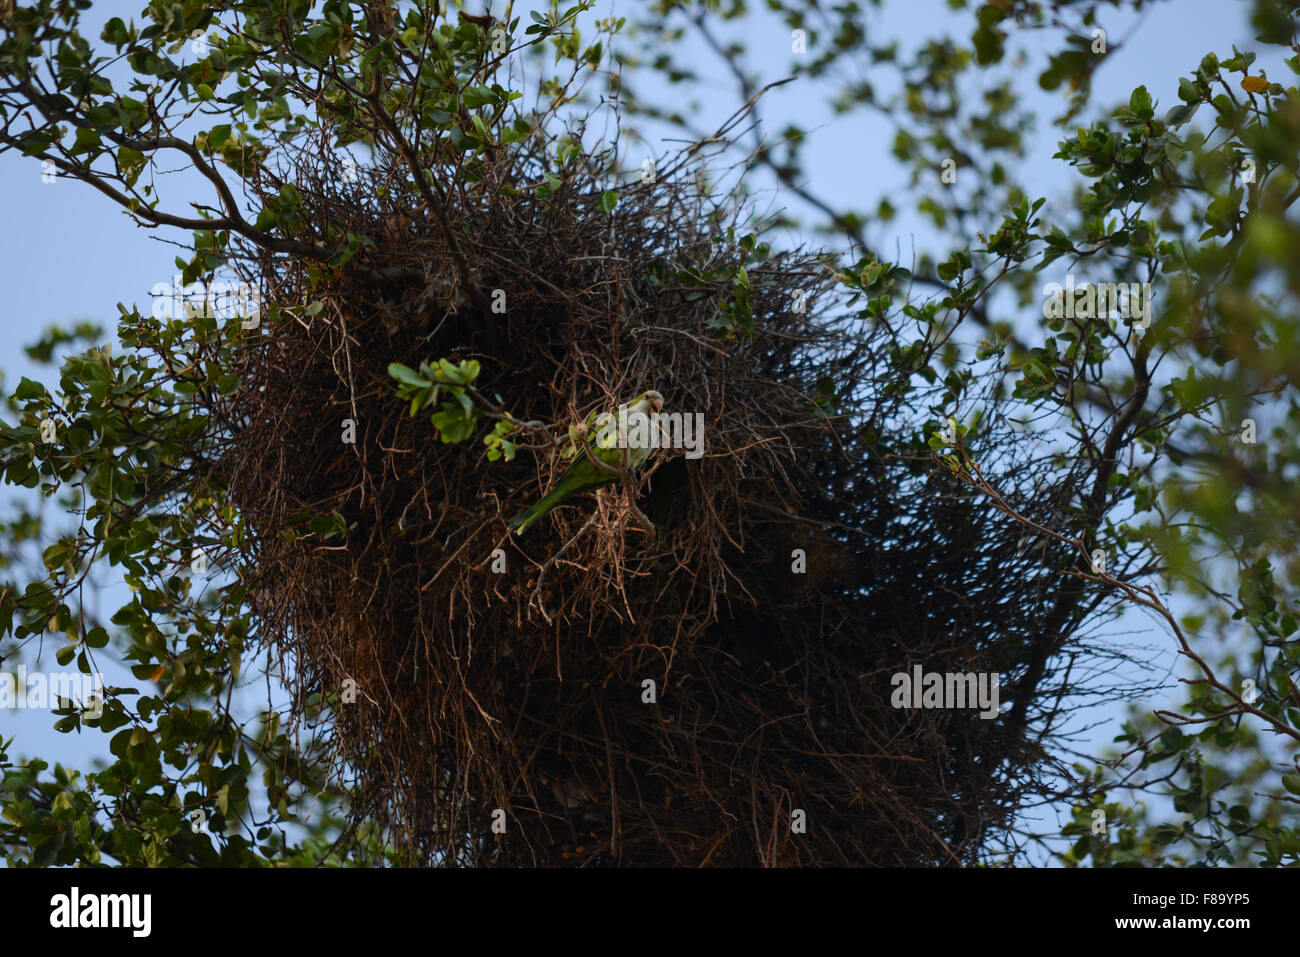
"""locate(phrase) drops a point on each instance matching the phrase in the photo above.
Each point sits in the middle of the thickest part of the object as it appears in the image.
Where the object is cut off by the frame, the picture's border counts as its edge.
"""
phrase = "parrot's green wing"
(581, 476)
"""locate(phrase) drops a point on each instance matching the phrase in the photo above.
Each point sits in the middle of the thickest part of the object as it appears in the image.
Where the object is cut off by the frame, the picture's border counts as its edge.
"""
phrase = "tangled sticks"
(603, 691)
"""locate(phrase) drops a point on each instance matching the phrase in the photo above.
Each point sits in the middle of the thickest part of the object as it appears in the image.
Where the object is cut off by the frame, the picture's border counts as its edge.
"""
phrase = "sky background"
(68, 254)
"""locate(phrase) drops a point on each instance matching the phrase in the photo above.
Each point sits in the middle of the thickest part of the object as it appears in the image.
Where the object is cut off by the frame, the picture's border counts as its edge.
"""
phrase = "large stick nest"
(524, 690)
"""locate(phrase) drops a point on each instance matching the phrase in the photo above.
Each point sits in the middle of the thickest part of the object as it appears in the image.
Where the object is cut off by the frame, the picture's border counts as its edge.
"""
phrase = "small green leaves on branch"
(448, 388)
(455, 418)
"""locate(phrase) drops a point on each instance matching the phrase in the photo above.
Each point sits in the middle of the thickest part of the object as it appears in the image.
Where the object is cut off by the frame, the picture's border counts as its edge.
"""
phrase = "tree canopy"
(423, 260)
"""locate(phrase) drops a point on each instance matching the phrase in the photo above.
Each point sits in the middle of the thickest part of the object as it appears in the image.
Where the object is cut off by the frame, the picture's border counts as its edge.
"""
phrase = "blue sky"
(67, 254)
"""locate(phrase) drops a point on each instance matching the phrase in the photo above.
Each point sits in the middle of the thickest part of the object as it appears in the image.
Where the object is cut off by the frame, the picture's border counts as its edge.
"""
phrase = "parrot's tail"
(535, 513)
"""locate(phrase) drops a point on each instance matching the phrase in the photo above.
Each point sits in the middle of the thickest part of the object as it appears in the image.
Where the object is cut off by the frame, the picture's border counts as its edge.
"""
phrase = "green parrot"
(583, 475)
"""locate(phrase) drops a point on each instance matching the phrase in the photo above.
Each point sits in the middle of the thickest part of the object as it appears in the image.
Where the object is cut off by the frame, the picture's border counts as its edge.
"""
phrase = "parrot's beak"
(656, 401)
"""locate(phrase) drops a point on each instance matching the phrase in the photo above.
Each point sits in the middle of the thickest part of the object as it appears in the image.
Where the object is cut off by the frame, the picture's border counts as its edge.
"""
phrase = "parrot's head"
(651, 400)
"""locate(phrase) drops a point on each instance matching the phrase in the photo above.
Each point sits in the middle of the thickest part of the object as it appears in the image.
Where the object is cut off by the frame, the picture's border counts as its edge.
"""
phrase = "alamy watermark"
(129, 911)
(947, 690)
(41, 690)
(1099, 300)
(657, 430)
(211, 300)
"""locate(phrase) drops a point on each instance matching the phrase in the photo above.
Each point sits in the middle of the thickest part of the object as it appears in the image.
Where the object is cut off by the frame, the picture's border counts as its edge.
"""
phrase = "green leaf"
(476, 96)
(36, 142)
(87, 140)
(407, 375)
